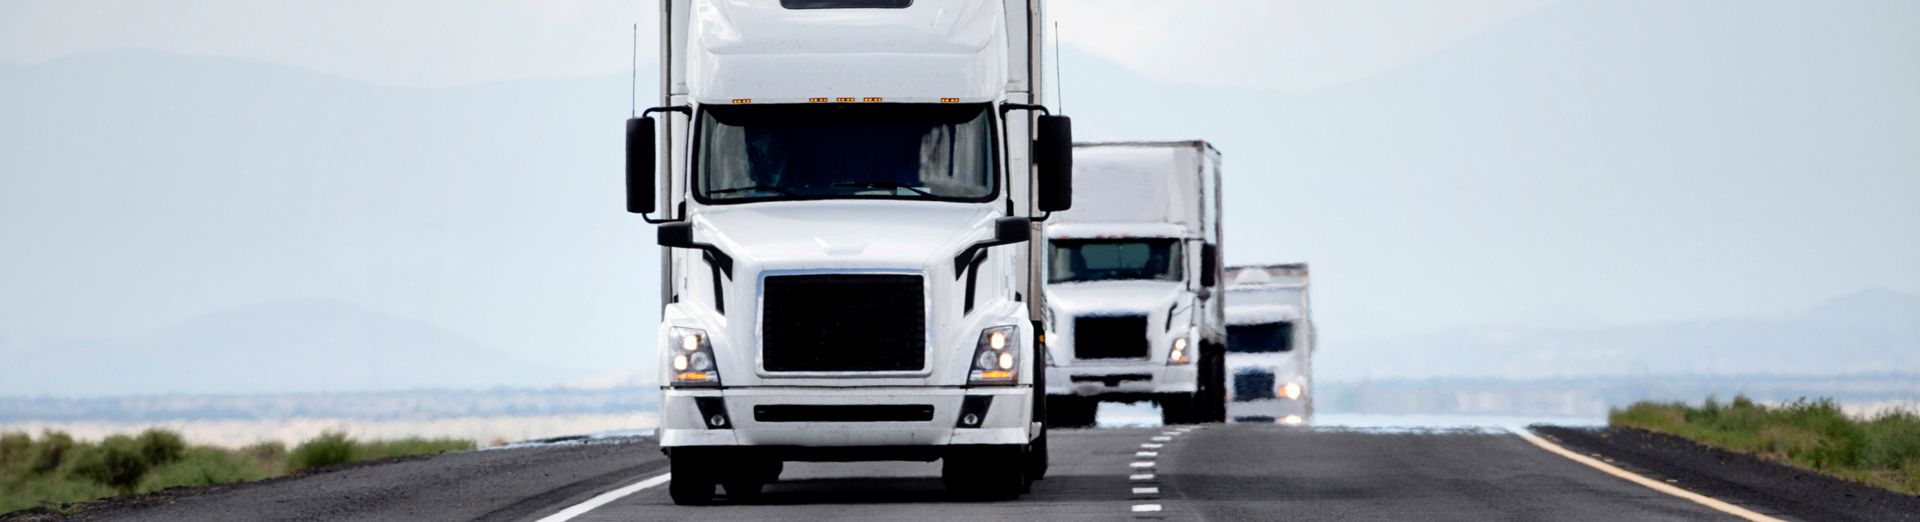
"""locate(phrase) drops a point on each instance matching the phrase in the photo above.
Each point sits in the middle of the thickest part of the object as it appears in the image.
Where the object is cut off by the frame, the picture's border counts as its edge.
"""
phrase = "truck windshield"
(1260, 338)
(890, 151)
(1111, 259)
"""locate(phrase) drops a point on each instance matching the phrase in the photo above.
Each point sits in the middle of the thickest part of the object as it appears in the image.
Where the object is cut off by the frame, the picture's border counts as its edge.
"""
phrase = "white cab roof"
(932, 50)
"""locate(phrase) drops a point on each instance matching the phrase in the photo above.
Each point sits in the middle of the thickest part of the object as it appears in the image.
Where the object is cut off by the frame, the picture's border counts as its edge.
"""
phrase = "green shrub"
(328, 449)
(270, 457)
(116, 462)
(201, 466)
(54, 449)
(160, 446)
(15, 449)
(411, 447)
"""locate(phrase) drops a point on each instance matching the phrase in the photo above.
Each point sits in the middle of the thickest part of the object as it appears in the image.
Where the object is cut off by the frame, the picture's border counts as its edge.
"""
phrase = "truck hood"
(801, 235)
(1113, 297)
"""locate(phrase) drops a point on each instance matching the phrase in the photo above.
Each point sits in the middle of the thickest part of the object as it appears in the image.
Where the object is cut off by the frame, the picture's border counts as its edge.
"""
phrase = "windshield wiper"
(881, 185)
(757, 188)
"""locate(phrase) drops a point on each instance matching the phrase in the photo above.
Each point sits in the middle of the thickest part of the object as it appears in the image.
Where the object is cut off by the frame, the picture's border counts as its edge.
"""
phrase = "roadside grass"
(54, 470)
(1882, 451)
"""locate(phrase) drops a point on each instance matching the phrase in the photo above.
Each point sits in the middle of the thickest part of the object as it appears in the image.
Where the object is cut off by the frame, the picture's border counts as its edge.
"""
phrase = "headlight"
(692, 360)
(997, 358)
(1293, 391)
(1178, 355)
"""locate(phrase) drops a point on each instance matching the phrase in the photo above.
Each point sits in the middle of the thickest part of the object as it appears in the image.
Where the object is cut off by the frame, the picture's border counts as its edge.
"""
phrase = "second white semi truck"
(1270, 343)
(1134, 284)
(848, 193)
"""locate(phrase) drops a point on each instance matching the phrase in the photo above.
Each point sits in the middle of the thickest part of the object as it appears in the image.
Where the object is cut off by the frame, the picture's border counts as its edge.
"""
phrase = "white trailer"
(847, 190)
(1132, 285)
(1270, 344)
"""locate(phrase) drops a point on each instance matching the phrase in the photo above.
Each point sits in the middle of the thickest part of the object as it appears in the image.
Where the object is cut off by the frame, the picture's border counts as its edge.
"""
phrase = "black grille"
(843, 323)
(851, 413)
(1117, 337)
(1252, 385)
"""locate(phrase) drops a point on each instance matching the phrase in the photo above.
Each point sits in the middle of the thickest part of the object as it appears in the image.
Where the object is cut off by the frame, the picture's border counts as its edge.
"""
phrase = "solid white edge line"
(606, 498)
(1716, 504)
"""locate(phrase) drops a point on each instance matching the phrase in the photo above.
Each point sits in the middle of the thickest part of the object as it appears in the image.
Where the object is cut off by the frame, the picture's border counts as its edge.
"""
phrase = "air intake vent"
(1251, 385)
(843, 323)
(1112, 337)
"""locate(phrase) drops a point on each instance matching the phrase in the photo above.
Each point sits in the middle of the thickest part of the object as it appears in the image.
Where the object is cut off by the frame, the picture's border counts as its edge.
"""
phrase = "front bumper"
(1140, 378)
(1008, 419)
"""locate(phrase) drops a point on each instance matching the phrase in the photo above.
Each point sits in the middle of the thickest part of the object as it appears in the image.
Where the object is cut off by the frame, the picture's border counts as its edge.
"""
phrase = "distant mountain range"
(1871, 331)
(290, 346)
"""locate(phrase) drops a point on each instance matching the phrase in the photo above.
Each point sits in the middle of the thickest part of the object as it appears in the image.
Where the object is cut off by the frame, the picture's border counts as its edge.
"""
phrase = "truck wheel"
(1037, 458)
(1178, 408)
(1217, 394)
(985, 472)
(743, 488)
(692, 483)
(1067, 411)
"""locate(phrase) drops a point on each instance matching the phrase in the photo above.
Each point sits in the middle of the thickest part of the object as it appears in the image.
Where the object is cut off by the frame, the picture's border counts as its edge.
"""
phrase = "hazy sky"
(1519, 164)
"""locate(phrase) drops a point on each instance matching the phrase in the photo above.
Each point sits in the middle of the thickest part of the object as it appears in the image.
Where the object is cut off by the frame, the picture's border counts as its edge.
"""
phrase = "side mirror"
(1053, 151)
(676, 235)
(640, 165)
(1209, 265)
(1010, 230)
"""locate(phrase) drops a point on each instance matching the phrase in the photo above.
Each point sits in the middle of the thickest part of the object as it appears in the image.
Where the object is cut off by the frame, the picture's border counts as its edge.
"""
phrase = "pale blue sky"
(1525, 164)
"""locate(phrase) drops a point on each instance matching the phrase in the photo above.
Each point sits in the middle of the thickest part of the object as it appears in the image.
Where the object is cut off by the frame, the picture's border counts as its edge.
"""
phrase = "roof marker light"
(949, 100)
(742, 101)
(870, 99)
(816, 100)
(843, 100)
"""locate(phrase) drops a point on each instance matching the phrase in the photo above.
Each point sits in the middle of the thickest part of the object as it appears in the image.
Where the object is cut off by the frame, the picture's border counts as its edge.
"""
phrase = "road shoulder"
(1735, 477)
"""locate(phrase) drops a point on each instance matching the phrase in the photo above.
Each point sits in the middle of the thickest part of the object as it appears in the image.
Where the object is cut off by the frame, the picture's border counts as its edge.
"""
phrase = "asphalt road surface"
(1214, 472)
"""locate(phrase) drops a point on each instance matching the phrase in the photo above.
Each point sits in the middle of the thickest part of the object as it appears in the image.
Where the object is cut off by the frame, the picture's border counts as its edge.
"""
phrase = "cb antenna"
(1059, 78)
(633, 82)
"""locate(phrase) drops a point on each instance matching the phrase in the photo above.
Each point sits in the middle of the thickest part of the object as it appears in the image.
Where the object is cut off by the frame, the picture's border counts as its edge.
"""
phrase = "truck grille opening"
(843, 323)
(1251, 385)
(1111, 337)
(848, 413)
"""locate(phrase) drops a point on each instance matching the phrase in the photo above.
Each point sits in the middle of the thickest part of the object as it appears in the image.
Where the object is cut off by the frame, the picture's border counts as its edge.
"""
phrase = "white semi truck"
(1133, 276)
(848, 192)
(1270, 343)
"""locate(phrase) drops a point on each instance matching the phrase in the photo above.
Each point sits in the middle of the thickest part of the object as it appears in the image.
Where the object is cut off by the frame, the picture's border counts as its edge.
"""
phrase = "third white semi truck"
(1270, 343)
(1133, 284)
(848, 191)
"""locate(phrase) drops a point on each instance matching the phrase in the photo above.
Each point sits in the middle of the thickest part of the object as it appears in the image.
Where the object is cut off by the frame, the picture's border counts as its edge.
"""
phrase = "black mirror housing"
(677, 235)
(1053, 153)
(640, 166)
(1010, 230)
(1209, 265)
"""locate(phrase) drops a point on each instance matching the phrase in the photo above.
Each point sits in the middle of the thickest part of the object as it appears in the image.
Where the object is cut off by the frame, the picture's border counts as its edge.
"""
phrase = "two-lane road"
(1216, 472)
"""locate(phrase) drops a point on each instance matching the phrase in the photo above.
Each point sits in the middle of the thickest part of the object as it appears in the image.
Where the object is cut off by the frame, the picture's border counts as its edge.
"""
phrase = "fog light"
(970, 420)
(716, 421)
(1292, 420)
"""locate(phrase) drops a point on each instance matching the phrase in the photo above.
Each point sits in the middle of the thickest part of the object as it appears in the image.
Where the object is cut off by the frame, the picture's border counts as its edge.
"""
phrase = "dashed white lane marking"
(606, 498)
(1655, 485)
(1161, 438)
(1152, 445)
(1148, 454)
(1143, 464)
(1140, 477)
(1146, 508)
(1146, 491)
(1171, 433)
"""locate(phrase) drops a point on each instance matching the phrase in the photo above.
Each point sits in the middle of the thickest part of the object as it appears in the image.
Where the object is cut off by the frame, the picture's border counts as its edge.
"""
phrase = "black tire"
(1216, 393)
(982, 473)
(1178, 408)
(692, 484)
(1037, 458)
(1067, 411)
(743, 489)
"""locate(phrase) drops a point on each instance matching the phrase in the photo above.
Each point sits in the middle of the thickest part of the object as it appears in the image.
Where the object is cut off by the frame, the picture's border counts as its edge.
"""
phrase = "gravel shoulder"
(1764, 486)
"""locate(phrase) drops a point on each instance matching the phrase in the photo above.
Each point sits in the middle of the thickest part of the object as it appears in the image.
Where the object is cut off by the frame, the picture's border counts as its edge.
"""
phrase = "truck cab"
(1270, 343)
(847, 193)
(1133, 284)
